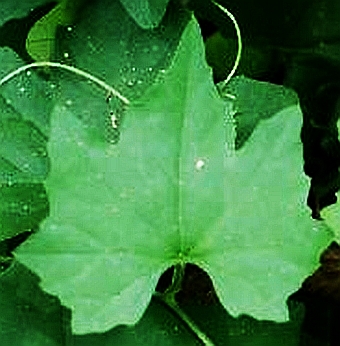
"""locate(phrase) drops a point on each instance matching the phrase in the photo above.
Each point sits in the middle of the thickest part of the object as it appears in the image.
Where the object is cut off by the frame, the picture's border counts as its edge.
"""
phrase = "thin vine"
(73, 69)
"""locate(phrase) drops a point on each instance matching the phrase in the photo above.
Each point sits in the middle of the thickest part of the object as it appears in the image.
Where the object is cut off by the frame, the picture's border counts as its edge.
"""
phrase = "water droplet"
(199, 164)
(150, 69)
(22, 89)
(131, 82)
(69, 28)
(69, 102)
(114, 121)
(66, 55)
(133, 69)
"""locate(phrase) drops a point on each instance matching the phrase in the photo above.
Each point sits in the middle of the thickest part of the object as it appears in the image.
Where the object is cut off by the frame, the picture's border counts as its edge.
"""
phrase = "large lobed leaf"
(166, 193)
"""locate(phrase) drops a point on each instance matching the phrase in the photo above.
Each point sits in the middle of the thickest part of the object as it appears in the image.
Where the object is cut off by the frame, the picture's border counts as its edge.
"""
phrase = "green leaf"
(255, 101)
(22, 207)
(23, 167)
(331, 214)
(146, 13)
(271, 243)
(24, 147)
(166, 194)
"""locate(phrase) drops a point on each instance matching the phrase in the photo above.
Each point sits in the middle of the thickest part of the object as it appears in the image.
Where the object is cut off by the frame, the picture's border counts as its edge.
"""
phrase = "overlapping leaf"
(23, 167)
(147, 13)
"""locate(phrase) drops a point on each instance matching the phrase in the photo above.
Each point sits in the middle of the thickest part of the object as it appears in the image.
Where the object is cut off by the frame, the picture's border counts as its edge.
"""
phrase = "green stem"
(184, 317)
(168, 298)
(176, 284)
